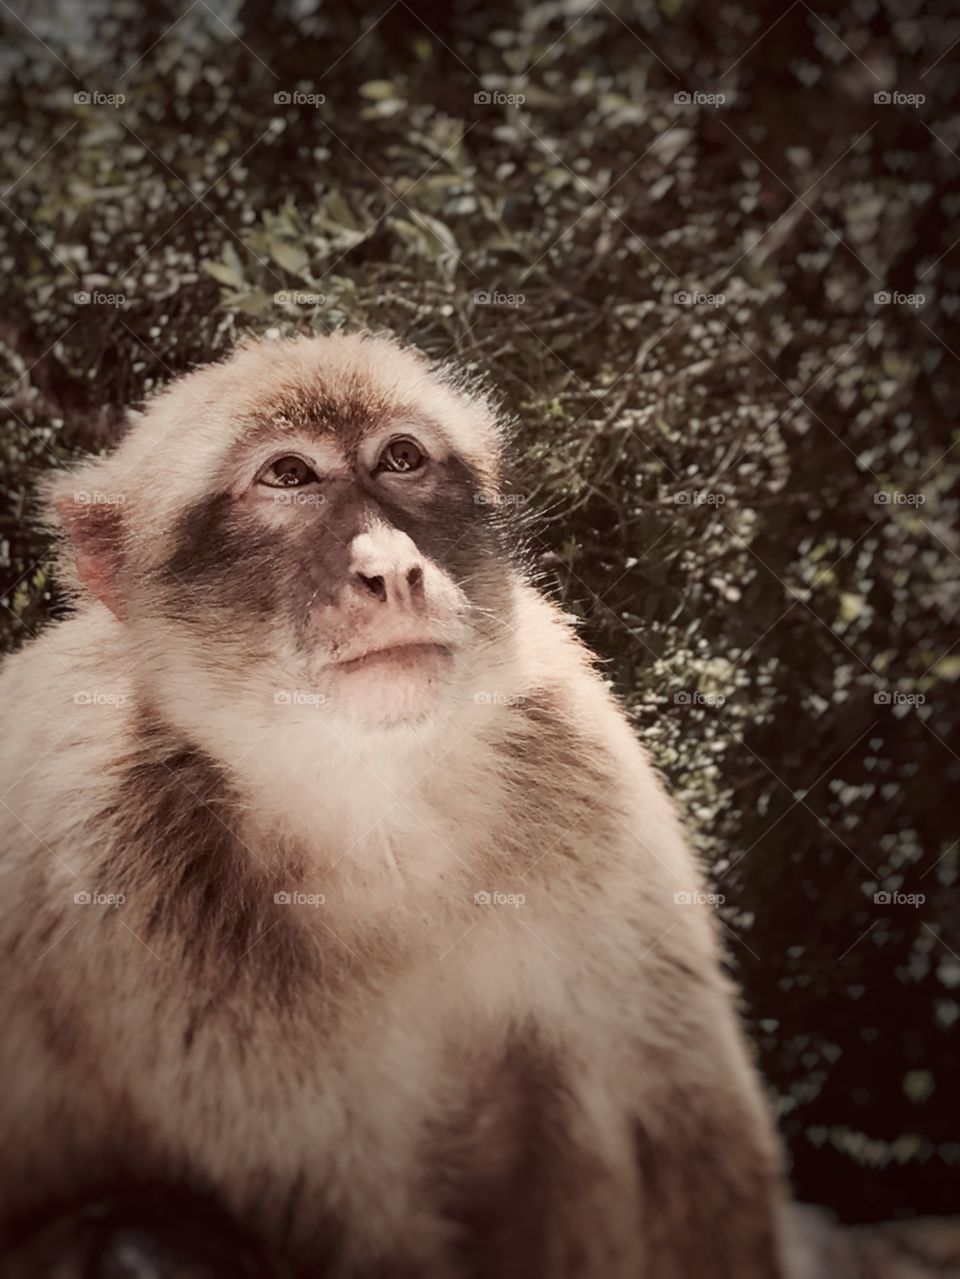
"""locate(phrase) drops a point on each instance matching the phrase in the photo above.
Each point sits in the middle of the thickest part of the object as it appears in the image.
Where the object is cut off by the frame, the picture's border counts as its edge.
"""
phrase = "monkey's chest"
(335, 1139)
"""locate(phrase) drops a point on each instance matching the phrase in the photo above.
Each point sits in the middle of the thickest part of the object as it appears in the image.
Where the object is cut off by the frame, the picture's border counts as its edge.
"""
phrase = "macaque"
(338, 896)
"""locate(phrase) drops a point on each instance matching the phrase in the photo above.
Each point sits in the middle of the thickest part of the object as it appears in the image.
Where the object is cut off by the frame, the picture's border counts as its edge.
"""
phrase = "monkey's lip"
(397, 657)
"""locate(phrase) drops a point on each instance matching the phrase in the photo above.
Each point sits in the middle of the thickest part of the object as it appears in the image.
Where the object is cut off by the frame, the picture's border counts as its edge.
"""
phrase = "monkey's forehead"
(339, 417)
(344, 387)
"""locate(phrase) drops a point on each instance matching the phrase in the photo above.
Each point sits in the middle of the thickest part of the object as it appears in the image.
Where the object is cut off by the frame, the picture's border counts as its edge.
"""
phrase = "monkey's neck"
(400, 806)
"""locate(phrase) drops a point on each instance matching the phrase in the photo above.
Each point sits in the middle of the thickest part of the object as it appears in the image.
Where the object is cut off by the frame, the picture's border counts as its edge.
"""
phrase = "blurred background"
(708, 256)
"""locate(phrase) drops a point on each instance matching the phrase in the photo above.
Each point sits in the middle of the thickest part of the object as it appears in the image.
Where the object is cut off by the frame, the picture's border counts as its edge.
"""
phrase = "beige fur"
(404, 1078)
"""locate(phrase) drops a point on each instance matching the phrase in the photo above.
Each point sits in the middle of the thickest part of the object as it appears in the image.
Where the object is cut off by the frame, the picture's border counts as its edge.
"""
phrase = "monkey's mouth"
(398, 659)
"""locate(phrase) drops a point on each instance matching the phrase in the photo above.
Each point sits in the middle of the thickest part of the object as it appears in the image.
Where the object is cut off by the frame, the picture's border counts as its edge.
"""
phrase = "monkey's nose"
(375, 585)
(386, 566)
(393, 587)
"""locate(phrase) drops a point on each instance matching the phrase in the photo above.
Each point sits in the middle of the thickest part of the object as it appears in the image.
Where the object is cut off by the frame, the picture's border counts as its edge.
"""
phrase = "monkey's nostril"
(415, 578)
(375, 585)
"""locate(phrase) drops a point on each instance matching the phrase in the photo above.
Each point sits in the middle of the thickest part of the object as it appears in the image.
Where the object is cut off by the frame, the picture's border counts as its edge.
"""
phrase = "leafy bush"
(749, 500)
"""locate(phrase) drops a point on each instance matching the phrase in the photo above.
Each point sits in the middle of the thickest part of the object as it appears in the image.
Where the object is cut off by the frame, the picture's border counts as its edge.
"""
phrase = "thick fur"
(500, 1045)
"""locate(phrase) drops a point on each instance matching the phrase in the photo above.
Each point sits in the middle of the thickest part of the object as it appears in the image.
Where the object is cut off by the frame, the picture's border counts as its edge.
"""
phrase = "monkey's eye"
(401, 456)
(288, 472)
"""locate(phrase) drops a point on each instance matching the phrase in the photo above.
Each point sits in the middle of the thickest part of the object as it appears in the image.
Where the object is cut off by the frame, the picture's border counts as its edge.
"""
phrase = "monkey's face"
(328, 542)
(357, 568)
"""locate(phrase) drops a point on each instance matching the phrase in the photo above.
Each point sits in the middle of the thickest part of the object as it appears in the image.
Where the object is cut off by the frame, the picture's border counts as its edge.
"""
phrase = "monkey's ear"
(92, 520)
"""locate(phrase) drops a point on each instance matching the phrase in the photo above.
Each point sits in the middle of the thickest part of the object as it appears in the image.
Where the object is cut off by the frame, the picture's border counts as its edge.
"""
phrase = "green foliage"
(784, 584)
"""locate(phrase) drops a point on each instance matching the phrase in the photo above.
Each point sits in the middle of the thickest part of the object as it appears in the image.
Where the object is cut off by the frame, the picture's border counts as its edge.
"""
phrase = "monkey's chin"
(390, 686)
